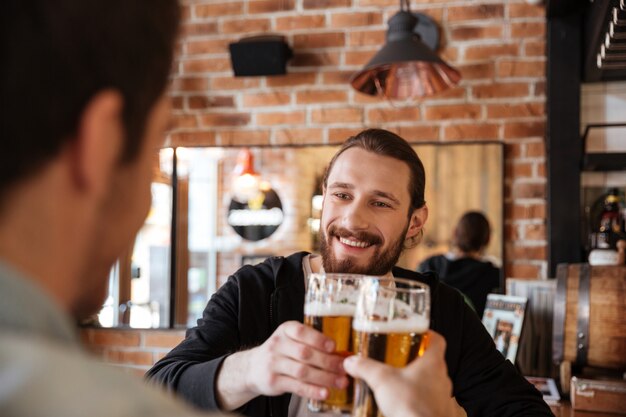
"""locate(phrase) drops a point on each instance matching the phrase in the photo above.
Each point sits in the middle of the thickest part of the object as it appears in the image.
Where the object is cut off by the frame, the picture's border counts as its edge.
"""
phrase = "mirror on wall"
(216, 209)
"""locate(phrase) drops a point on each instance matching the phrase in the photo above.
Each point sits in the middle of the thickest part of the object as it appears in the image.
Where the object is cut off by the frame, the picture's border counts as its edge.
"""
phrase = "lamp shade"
(246, 181)
(405, 67)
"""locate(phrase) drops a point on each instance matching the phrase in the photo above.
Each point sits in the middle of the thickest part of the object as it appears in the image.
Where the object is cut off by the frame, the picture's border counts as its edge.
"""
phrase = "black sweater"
(257, 299)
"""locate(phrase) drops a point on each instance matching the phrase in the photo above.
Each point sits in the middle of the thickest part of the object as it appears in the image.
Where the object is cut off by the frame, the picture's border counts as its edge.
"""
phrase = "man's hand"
(296, 359)
(421, 389)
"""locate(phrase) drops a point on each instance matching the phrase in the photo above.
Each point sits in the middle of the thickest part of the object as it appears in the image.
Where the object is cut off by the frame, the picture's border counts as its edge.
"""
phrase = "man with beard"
(250, 351)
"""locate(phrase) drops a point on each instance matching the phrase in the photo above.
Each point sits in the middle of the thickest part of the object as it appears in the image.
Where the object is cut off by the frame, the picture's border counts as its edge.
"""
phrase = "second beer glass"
(390, 323)
(329, 308)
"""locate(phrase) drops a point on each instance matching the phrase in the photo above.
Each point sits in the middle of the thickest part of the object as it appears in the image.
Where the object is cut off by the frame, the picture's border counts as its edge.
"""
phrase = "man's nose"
(355, 217)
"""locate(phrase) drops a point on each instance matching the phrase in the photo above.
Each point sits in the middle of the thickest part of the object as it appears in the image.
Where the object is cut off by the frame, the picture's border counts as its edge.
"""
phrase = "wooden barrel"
(590, 316)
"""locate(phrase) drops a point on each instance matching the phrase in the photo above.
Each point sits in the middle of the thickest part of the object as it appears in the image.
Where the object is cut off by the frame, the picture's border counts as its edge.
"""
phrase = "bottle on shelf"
(610, 221)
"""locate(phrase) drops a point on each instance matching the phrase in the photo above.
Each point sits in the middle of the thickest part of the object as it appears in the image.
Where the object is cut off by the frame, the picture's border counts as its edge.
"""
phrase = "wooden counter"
(564, 409)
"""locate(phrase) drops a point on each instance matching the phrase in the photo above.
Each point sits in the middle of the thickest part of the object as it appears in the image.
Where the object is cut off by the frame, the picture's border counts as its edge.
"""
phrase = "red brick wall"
(497, 45)
(131, 350)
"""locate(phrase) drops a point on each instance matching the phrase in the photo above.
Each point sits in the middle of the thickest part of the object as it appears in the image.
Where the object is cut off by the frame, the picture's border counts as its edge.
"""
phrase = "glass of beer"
(329, 307)
(390, 322)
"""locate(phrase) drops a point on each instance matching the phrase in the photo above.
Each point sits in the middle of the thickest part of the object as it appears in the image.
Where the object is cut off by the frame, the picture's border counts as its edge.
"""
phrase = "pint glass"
(329, 308)
(390, 322)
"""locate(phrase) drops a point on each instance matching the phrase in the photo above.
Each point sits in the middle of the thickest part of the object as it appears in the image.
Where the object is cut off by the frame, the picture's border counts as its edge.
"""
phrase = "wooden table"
(564, 409)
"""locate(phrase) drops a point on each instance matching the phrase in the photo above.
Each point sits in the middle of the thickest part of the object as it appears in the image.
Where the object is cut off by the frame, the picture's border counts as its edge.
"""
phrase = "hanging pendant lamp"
(407, 67)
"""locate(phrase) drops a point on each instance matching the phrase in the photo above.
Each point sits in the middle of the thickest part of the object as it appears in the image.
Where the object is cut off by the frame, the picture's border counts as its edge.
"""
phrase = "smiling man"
(251, 352)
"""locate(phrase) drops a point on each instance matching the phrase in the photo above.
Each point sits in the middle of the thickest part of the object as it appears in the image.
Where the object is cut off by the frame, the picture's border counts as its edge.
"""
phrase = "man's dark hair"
(58, 54)
(385, 143)
(472, 232)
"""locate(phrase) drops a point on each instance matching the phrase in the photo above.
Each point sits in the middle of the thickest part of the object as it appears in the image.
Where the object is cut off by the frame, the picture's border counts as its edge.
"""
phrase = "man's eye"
(381, 204)
(342, 196)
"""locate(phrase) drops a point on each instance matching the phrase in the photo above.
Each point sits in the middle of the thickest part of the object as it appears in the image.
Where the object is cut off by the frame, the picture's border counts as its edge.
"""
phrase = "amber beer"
(329, 308)
(390, 324)
(396, 344)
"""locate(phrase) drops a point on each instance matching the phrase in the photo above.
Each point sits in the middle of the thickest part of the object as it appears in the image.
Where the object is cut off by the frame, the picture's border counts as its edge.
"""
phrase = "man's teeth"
(353, 243)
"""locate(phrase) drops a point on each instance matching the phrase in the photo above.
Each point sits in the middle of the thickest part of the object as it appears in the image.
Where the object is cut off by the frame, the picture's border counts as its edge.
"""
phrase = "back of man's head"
(57, 54)
(472, 232)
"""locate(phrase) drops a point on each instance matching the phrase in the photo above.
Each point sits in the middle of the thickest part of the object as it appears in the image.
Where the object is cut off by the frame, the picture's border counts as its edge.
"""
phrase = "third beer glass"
(329, 308)
(390, 322)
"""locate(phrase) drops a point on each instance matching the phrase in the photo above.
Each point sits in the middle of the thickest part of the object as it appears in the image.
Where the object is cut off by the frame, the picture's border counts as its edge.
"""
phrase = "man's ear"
(417, 221)
(98, 143)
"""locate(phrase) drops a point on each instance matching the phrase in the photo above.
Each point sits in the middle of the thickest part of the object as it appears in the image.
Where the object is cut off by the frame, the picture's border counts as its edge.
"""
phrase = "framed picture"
(504, 319)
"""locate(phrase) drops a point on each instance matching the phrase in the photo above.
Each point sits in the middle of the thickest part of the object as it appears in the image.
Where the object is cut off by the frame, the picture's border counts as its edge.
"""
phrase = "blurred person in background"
(464, 267)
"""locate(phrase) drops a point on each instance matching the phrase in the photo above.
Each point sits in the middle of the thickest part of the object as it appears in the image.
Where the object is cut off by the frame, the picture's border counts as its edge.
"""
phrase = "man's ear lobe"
(417, 221)
(99, 141)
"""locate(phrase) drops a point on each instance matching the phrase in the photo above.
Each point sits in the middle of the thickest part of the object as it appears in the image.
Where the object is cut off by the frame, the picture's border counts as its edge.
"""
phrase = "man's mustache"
(361, 236)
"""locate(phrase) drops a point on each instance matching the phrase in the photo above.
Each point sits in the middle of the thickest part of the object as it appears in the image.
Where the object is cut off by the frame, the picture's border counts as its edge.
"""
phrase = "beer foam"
(412, 324)
(317, 308)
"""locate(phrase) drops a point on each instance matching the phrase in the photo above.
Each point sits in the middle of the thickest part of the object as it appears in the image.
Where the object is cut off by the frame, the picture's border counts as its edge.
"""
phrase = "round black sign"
(258, 218)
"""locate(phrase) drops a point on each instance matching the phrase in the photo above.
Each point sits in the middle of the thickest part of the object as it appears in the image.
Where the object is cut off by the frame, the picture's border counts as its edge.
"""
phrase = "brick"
(528, 211)
(361, 98)
(188, 84)
(315, 59)
(233, 83)
(528, 29)
(466, 33)
(280, 118)
(414, 134)
(319, 40)
(535, 149)
(521, 68)
(267, 6)
(346, 20)
(500, 90)
(470, 131)
(450, 54)
(218, 9)
(114, 338)
(526, 10)
(246, 26)
(307, 22)
(479, 12)
(477, 71)
(541, 170)
(266, 99)
(321, 96)
(336, 77)
(480, 52)
(178, 103)
(206, 65)
(339, 135)
(129, 357)
(522, 270)
(529, 190)
(198, 29)
(298, 136)
(379, 2)
(452, 93)
(291, 79)
(367, 37)
(512, 151)
(198, 138)
(524, 129)
(453, 111)
(183, 121)
(325, 4)
(208, 46)
(518, 170)
(540, 89)
(359, 58)
(207, 102)
(225, 119)
(519, 252)
(512, 111)
(535, 48)
(397, 114)
(337, 115)
(244, 137)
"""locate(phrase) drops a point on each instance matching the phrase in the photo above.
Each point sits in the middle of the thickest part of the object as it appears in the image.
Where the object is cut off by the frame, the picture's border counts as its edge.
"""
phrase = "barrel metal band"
(582, 326)
(558, 328)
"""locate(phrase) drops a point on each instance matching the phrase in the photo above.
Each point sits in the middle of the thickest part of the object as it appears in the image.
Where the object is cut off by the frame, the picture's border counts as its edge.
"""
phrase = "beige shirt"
(44, 371)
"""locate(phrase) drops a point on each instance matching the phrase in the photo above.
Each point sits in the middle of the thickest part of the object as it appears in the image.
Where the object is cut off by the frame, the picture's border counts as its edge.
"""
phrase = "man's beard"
(379, 264)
